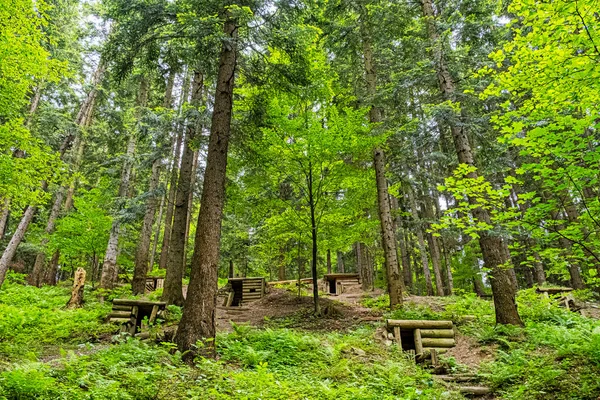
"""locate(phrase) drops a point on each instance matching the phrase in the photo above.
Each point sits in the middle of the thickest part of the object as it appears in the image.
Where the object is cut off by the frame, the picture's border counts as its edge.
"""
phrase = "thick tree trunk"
(420, 241)
(388, 238)
(174, 176)
(110, 271)
(173, 291)
(491, 246)
(198, 319)
(141, 268)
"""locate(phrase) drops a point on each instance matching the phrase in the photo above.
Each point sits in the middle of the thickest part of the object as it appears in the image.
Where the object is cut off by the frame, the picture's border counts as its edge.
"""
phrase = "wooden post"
(434, 358)
(76, 299)
(153, 314)
(418, 342)
(133, 320)
(398, 337)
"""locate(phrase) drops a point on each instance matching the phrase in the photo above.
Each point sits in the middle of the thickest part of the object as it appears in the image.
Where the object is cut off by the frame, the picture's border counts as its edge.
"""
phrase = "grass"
(48, 352)
(556, 355)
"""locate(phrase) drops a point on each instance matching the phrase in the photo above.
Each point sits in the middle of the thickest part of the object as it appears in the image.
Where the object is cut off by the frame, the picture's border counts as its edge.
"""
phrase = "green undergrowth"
(47, 352)
(34, 321)
(556, 355)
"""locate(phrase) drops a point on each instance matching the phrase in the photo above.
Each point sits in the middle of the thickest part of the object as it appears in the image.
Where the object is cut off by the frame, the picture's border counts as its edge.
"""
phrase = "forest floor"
(276, 348)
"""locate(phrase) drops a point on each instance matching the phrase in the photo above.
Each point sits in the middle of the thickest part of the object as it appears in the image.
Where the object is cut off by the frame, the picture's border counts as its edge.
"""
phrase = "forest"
(299, 199)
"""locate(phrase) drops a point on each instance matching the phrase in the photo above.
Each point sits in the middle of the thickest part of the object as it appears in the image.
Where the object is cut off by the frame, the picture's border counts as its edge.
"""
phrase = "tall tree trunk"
(366, 267)
(340, 267)
(313, 235)
(4, 217)
(198, 319)
(173, 291)
(420, 241)
(328, 261)
(141, 267)
(110, 270)
(188, 219)
(281, 272)
(398, 229)
(388, 238)
(157, 232)
(434, 247)
(449, 277)
(37, 275)
(80, 120)
(491, 245)
(11, 248)
(174, 175)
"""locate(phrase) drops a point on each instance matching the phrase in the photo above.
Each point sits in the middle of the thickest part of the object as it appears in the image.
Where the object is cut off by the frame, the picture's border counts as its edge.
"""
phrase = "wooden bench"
(130, 313)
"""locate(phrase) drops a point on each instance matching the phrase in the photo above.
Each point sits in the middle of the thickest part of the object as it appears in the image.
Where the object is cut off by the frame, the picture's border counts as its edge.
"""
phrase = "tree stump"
(76, 299)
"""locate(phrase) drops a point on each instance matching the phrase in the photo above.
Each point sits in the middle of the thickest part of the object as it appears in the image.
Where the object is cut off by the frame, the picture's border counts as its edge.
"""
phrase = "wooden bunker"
(245, 290)
(422, 335)
(337, 283)
(131, 313)
(154, 282)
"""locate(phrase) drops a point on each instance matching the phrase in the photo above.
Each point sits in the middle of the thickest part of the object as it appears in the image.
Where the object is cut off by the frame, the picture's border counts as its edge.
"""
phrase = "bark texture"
(142, 267)
(421, 242)
(110, 270)
(491, 245)
(388, 239)
(174, 176)
(173, 291)
(76, 299)
(198, 319)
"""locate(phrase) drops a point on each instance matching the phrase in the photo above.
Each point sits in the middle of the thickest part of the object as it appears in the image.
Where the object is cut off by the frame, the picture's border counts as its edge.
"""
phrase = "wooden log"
(153, 314)
(397, 337)
(458, 378)
(437, 342)
(434, 357)
(418, 341)
(121, 308)
(438, 349)
(120, 314)
(475, 390)
(119, 320)
(133, 302)
(76, 299)
(421, 324)
(437, 333)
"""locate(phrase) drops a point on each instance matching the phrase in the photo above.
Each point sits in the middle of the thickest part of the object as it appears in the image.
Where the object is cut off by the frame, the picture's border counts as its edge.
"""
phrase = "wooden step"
(474, 390)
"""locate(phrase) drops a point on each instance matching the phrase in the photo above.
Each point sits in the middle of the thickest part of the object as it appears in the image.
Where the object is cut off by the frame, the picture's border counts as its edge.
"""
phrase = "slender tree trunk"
(80, 120)
(157, 232)
(340, 267)
(141, 268)
(313, 235)
(173, 293)
(420, 241)
(328, 261)
(449, 276)
(366, 267)
(398, 229)
(188, 219)
(37, 275)
(281, 273)
(4, 217)
(110, 270)
(434, 247)
(388, 238)
(164, 252)
(198, 319)
(491, 245)
(11, 248)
